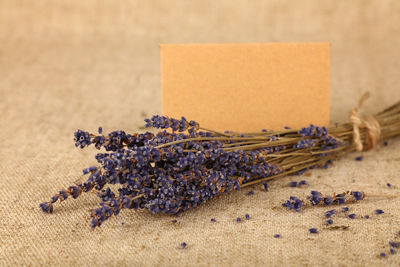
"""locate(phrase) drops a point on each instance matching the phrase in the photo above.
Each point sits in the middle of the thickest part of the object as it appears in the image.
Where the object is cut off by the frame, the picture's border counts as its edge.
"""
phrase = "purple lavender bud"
(174, 221)
(315, 198)
(330, 213)
(238, 219)
(328, 222)
(94, 223)
(352, 216)
(292, 184)
(389, 185)
(46, 207)
(213, 220)
(313, 230)
(183, 245)
(287, 204)
(265, 185)
(340, 198)
(383, 254)
(251, 192)
(345, 209)
(328, 201)
(379, 211)
(74, 191)
(366, 216)
(90, 169)
(392, 251)
(247, 216)
(357, 195)
(359, 158)
(293, 203)
(393, 244)
(302, 183)
(82, 138)
(54, 198)
(277, 236)
(63, 195)
(100, 130)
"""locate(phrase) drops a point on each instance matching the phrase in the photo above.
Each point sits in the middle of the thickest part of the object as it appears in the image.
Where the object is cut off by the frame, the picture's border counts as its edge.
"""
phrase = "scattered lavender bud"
(393, 244)
(379, 211)
(183, 245)
(293, 203)
(238, 219)
(100, 130)
(213, 220)
(345, 209)
(313, 231)
(302, 183)
(328, 201)
(392, 251)
(328, 222)
(352, 216)
(277, 236)
(265, 186)
(174, 221)
(383, 254)
(389, 185)
(315, 198)
(292, 184)
(340, 198)
(357, 195)
(122, 223)
(359, 158)
(247, 216)
(251, 192)
(330, 213)
(366, 216)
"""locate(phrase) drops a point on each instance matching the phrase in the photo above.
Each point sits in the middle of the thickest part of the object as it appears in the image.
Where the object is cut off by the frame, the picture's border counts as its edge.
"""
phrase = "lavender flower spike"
(162, 122)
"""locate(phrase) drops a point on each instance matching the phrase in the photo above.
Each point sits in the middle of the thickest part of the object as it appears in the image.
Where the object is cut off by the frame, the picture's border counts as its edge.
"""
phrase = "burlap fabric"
(66, 65)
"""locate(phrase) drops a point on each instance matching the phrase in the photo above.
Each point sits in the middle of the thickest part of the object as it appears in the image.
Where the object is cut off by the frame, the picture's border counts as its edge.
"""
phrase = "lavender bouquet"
(176, 170)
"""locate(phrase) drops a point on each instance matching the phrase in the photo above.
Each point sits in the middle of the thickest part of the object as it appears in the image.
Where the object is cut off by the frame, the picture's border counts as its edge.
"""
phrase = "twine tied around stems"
(373, 129)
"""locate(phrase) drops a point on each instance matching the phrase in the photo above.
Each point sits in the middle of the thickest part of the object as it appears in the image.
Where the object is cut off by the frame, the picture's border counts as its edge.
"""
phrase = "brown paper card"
(246, 87)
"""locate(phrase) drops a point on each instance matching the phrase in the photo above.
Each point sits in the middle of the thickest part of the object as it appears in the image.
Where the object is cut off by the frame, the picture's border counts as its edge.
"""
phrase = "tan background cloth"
(66, 65)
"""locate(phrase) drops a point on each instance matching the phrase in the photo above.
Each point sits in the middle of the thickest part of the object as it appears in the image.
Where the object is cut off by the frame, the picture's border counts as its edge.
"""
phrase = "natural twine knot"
(373, 129)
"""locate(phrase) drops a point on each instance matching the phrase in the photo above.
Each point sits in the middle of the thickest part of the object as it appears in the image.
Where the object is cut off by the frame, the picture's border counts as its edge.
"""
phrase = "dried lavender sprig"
(317, 198)
(113, 141)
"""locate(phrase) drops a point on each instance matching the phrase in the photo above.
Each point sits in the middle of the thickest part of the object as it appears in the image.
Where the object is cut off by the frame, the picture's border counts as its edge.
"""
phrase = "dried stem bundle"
(172, 172)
